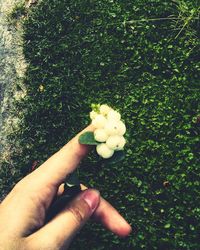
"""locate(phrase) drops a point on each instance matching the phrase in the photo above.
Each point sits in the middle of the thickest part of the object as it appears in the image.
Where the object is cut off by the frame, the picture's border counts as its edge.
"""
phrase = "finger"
(67, 223)
(108, 216)
(54, 171)
(111, 219)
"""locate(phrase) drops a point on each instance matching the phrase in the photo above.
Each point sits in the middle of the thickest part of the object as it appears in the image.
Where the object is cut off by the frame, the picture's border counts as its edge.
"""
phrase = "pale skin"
(23, 212)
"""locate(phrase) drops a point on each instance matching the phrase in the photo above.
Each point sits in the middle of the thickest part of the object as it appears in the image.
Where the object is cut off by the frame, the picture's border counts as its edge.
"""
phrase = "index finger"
(54, 171)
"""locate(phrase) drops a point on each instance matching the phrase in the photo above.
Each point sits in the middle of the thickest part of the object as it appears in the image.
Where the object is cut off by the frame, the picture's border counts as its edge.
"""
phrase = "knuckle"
(77, 214)
(79, 211)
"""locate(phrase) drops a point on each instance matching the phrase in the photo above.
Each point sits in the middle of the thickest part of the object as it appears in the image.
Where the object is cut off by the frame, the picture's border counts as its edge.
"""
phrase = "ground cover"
(140, 57)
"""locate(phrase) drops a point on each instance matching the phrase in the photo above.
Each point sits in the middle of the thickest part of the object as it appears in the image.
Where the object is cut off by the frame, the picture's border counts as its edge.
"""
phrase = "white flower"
(113, 115)
(99, 121)
(100, 135)
(93, 115)
(104, 109)
(116, 142)
(104, 151)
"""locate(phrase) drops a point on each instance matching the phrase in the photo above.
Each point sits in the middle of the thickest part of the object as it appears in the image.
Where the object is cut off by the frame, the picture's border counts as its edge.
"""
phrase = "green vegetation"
(141, 57)
(17, 12)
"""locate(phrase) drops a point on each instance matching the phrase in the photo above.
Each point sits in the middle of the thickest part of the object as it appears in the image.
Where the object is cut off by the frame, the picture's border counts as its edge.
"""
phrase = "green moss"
(85, 52)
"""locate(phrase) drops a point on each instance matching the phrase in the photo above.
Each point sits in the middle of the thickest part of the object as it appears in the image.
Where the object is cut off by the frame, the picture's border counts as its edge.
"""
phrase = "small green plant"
(189, 15)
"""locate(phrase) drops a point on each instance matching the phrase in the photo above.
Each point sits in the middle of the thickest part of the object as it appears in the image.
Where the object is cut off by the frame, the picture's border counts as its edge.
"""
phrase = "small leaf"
(167, 226)
(72, 180)
(117, 157)
(88, 139)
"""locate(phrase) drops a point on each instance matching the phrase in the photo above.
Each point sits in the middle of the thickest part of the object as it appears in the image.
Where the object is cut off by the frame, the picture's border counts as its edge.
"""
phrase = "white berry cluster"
(109, 130)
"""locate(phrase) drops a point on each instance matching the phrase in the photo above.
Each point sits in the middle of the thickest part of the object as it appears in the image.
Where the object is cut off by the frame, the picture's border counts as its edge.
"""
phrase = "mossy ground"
(140, 57)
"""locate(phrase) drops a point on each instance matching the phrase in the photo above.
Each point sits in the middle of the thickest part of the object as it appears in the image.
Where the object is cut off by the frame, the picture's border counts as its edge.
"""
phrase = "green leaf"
(88, 139)
(117, 157)
(72, 180)
(167, 226)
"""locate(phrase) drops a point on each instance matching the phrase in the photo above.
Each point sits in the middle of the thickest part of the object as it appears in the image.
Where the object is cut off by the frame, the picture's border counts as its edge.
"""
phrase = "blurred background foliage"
(141, 57)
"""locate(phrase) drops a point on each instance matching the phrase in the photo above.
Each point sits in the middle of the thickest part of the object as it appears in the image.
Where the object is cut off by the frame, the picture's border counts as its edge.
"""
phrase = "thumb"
(59, 232)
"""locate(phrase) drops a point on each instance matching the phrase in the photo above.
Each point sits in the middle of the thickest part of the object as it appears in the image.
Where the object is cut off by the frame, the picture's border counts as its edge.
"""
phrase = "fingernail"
(91, 197)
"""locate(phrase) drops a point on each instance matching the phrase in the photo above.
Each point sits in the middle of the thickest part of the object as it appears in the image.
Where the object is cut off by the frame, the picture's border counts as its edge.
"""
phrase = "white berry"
(122, 128)
(113, 115)
(112, 127)
(115, 142)
(93, 115)
(121, 144)
(99, 121)
(104, 109)
(104, 151)
(100, 135)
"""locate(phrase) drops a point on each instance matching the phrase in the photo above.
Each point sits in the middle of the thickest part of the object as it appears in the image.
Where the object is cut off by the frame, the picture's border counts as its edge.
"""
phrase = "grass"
(141, 58)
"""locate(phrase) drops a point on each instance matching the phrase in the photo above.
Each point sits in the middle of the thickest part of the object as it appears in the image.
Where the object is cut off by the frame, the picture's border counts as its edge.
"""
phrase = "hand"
(23, 212)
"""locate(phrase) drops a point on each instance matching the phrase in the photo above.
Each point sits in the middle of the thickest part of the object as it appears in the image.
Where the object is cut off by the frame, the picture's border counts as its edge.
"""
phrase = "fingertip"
(80, 149)
(124, 231)
(122, 228)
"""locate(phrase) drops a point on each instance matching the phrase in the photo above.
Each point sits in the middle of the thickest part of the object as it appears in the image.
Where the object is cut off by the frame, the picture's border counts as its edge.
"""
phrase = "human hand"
(23, 212)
